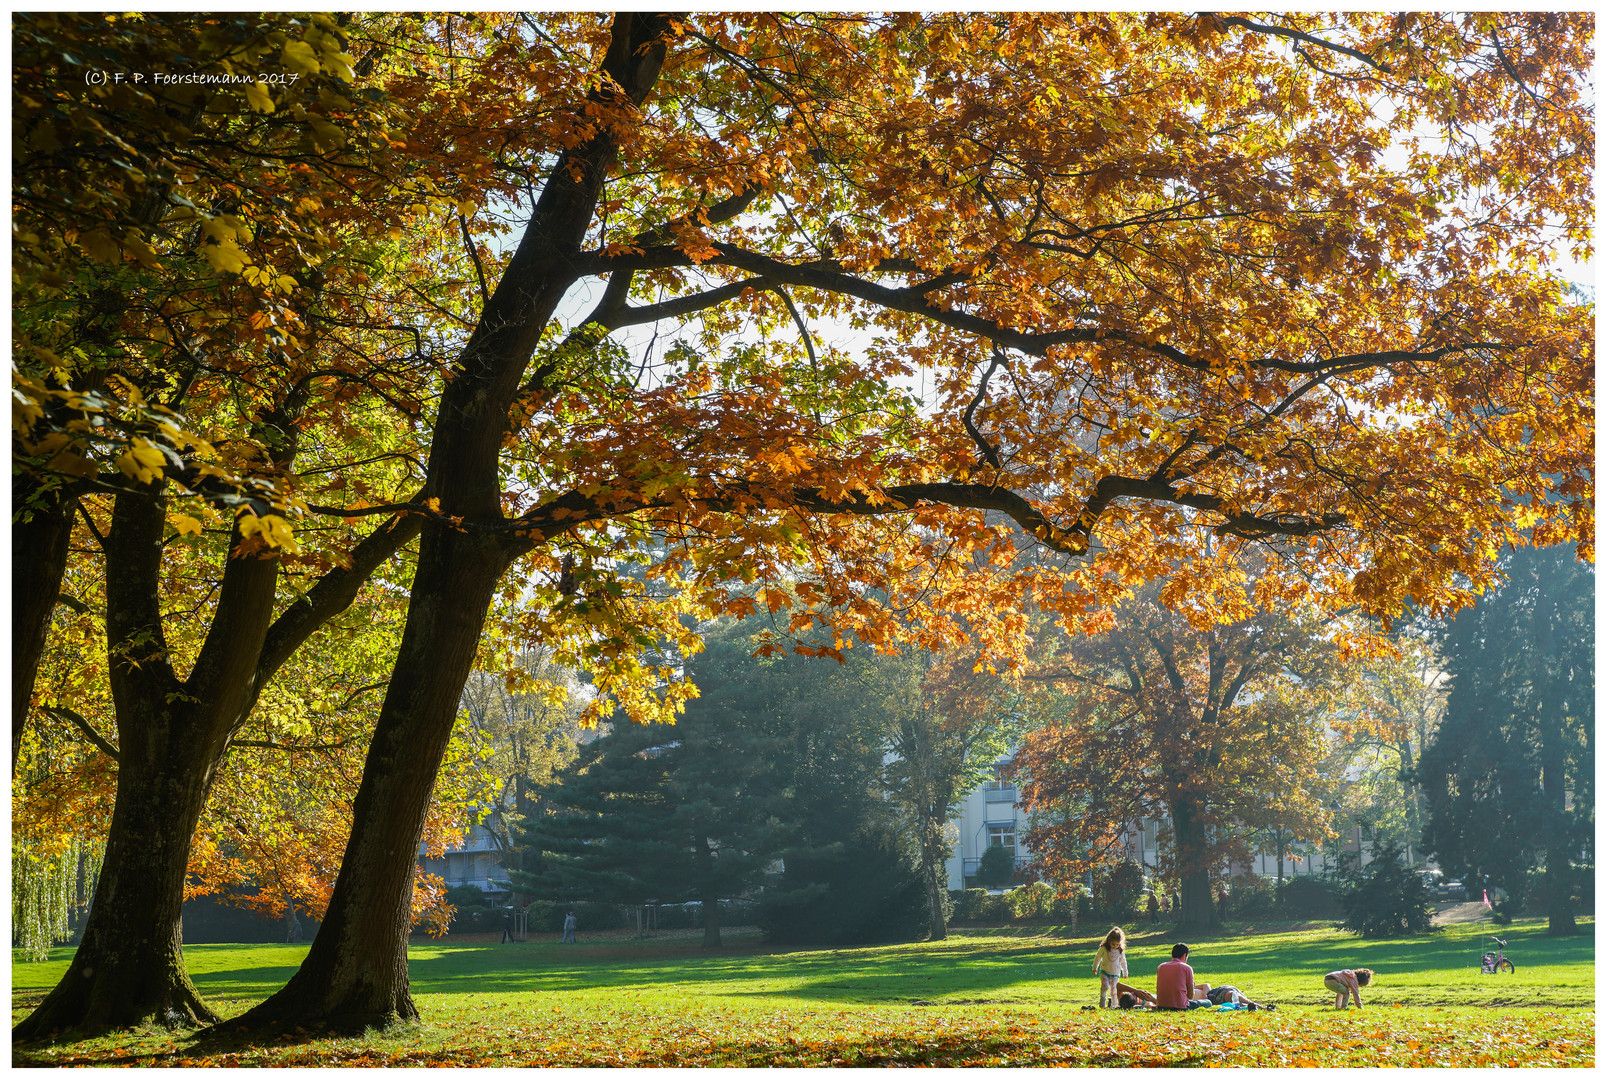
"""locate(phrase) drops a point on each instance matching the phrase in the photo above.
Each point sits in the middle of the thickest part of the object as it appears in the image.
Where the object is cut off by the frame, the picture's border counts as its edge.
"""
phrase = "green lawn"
(995, 997)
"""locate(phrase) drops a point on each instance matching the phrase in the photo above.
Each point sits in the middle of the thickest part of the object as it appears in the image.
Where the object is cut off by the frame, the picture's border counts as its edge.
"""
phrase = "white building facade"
(990, 816)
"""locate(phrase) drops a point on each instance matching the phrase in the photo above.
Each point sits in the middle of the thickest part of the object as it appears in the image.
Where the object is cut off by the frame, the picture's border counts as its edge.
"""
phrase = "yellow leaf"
(225, 258)
(186, 525)
(299, 56)
(141, 251)
(258, 98)
(130, 466)
(100, 247)
(147, 454)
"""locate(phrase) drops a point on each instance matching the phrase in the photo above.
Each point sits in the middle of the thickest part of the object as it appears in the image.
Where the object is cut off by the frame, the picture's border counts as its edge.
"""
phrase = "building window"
(997, 782)
(1002, 836)
(1148, 831)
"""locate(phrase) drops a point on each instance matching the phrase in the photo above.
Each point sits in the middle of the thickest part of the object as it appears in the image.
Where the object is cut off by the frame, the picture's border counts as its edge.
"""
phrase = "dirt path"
(1459, 911)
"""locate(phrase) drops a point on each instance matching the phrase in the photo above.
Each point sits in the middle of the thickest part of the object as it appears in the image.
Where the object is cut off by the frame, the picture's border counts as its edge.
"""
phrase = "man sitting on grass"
(1174, 983)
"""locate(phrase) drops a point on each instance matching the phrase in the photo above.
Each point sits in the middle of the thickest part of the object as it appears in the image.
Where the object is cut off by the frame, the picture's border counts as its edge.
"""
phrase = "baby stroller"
(1493, 962)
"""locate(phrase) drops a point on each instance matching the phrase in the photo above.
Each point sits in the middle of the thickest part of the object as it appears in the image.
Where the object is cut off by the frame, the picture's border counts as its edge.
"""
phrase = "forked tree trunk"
(129, 967)
(172, 737)
(39, 537)
(355, 974)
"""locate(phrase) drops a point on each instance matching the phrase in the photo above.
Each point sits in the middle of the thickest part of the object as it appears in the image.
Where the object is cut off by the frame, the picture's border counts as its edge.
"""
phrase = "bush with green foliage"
(966, 904)
(466, 896)
(1308, 897)
(477, 919)
(1119, 892)
(997, 867)
(1031, 903)
(1385, 898)
(1034, 903)
(1252, 897)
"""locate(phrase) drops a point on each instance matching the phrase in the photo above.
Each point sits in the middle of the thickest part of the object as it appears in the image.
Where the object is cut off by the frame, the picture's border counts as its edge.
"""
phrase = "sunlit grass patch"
(996, 998)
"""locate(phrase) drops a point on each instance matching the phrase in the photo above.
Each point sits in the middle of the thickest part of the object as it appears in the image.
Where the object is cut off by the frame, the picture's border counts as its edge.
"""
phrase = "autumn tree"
(197, 348)
(984, 196)
(1216, 727)
(1509, 775)
(521, 727)
(947, 723)
(1386, 714)
(1157, 274)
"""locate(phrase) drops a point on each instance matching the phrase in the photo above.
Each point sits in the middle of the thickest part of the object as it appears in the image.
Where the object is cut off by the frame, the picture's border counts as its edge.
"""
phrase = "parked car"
(1451, 890)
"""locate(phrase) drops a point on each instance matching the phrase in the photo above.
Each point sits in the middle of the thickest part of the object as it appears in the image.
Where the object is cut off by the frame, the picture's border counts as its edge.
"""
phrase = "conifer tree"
(677, 813)
(1510, 775)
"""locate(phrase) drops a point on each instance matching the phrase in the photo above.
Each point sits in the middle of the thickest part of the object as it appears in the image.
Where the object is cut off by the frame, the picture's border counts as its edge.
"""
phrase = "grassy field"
(980, 998)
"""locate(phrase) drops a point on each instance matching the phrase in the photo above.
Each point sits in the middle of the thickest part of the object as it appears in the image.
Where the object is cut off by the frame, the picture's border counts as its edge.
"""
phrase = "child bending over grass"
(1347, 983)
(1111, 965)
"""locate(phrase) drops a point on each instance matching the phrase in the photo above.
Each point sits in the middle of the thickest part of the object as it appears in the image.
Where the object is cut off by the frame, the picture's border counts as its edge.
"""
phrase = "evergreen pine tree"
(1509, 776)
(675, 813)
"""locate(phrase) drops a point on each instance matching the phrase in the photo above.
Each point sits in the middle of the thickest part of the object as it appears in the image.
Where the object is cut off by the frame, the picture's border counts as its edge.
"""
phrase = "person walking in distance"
(570, 924)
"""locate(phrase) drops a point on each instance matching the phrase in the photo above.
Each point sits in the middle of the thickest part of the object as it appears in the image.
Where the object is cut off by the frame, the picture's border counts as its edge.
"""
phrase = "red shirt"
(1174, 982)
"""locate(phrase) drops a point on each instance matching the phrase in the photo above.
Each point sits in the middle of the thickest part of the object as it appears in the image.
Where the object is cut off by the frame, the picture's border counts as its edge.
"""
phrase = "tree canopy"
(1107, 285)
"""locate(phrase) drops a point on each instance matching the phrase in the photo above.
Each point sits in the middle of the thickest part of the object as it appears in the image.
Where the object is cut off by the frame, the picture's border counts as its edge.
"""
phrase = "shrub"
(465, 896)
(1386, 898)
(1307, 897)
(1031, 903)
(1253, 897)
(997, 867)
(1120, 892)
(477, 919)
(547, 916)
(967, 904)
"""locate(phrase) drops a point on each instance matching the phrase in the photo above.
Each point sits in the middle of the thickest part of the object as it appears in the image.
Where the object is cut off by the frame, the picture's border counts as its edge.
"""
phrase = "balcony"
(968, 867)
(996, 795)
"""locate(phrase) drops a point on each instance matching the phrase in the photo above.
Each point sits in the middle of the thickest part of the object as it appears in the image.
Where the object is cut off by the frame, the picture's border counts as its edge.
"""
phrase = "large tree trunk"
(173, 736)
(42, 525)
(1196, 912)
(129, 967)
(355, 974)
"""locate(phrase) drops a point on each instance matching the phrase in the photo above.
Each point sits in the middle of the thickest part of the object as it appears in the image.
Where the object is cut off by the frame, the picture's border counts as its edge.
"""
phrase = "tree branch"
(989, 454)
(88, 730)
(1301, 36)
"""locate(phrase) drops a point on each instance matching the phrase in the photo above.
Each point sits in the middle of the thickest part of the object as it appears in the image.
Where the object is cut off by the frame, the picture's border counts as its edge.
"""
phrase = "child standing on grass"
(1111, 965)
